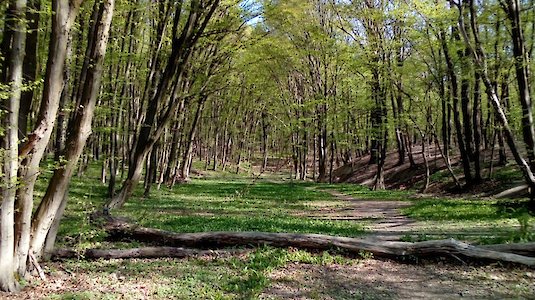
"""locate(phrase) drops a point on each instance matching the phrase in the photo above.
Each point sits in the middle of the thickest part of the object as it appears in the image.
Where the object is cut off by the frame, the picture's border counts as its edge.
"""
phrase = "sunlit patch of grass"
(459, 209)
(365, 193)
(216, 205)
(502, 224)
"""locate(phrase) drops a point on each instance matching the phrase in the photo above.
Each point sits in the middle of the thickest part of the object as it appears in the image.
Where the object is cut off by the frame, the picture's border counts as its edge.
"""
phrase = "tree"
(9, 144)
(33, 150)
(79, 129)
(167, 91)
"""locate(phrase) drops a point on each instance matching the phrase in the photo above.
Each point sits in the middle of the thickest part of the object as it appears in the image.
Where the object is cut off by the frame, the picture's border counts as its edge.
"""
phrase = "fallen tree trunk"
(526, 249)
(120, 230)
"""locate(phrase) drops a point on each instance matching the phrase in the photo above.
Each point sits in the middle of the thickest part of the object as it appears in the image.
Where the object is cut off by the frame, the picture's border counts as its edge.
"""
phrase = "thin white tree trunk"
(10, 149)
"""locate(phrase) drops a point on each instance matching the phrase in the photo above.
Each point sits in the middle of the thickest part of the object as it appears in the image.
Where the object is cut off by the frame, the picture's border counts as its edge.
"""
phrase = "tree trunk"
(9, 147)
(465, 158)
(521, 61)
(186, 158)
(79, 128)
(322, 145)
(476, 119)
(30, 64)
(145, 252)
(265, 129)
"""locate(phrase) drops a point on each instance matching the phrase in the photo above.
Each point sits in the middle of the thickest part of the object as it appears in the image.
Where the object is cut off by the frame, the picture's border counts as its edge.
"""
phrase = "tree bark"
(79, 129)
(145, 252)
(476, 121)
(33, 150)
(186, 158)
(9, 146)
(521, 62)
(465, 158)
(30, 64)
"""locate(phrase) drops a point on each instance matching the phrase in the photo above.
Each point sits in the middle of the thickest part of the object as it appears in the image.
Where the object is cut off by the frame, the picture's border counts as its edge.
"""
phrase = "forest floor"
(277, 205)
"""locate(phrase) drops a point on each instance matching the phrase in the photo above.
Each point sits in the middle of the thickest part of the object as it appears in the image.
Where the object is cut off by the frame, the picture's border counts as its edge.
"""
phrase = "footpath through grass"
(485, 220)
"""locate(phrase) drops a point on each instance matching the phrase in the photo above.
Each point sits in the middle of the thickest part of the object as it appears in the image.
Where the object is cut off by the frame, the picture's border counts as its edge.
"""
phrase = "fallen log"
(526, 249)
(120, 230)
(144, 252)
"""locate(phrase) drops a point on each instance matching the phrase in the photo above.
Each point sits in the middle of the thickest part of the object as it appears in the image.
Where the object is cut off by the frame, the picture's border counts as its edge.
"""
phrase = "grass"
(227, 203)
(222, 205)
(488, 221)
(236, 277)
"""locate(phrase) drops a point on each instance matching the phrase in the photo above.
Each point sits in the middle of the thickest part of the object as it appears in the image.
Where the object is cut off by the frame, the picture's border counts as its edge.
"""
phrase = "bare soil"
(377, 279)
(397, 176)
(384, 218)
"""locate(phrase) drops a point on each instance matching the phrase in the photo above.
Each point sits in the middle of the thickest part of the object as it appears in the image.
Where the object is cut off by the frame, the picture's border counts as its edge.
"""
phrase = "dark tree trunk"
(522, 63)
(30, 64)
(465, 157)
(476, 119)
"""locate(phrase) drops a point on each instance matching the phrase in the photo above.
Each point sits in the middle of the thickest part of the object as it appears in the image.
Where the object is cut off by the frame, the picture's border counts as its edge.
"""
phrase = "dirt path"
(384, 218)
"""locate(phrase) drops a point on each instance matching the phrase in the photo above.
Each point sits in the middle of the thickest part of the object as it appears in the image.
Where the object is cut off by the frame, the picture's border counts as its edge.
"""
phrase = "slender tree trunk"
(522, 63)
(9, 147)
(79, 129)
(476, 119)
(186, 158)
(322, 144)
(265, 128)
(502, 153)
(465, 158)
(30, 64)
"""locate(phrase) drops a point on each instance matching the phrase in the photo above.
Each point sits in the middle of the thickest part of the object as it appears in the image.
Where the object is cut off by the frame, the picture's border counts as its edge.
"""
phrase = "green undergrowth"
(237, 205)
(485, 220)
(242, 202)
(207, 203)
(233, 277)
